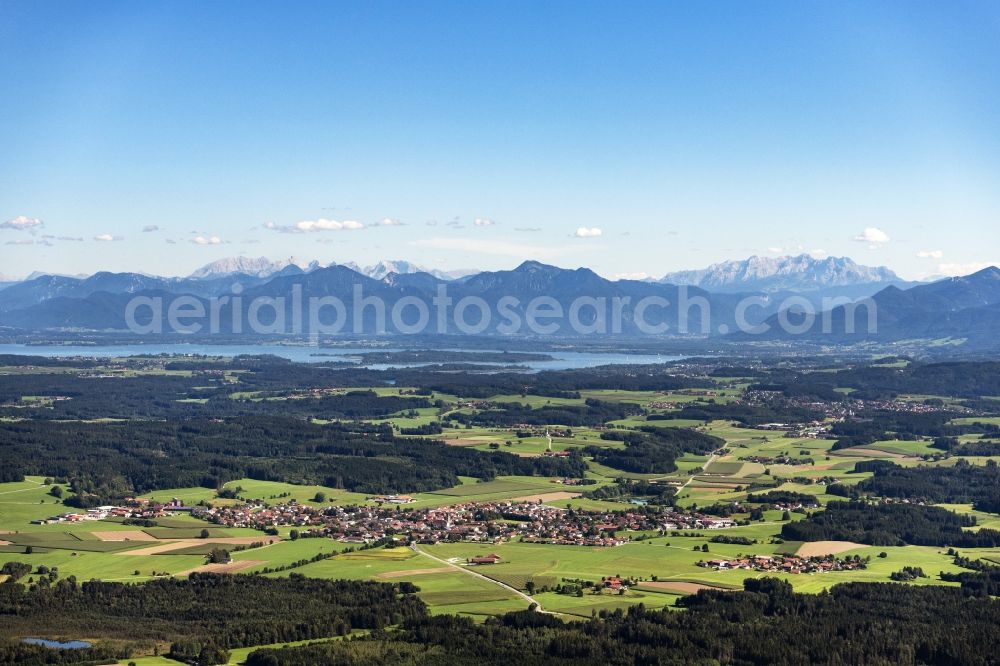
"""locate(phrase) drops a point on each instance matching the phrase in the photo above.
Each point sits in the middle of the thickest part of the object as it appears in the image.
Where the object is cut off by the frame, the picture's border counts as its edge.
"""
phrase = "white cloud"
(171, 241)
(390, 222)
(327, 225)
(528, 229)
(107, 238)
(874, 236)
(818, 253)
(640, 275)
(75, 239)
(209, 240)
(930, 254)
(22, 222)
(484, 222)
(776, 250)
(308, 226)
(498, 248)
(25, 241)
(150, 227)
(588, 232)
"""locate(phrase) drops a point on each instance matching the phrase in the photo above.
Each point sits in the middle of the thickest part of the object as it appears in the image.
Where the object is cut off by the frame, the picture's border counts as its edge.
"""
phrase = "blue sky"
(635, 141)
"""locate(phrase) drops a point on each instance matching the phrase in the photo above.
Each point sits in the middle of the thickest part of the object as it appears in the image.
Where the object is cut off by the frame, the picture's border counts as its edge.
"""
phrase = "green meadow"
(76, 549)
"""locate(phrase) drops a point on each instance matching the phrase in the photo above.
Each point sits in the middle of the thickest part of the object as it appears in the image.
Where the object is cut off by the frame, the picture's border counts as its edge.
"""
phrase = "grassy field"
(78, 550)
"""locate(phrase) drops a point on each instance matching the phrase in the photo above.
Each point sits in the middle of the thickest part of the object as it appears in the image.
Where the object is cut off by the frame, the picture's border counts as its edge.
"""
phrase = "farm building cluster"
(134, 508)
(792, 564)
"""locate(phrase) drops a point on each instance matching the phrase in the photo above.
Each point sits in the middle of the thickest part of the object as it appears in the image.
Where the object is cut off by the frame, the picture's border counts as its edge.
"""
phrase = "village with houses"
(483, 522)
(388, 518)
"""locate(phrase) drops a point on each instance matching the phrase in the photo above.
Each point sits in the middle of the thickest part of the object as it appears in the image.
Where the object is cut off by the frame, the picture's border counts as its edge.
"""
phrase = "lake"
(561, 360)
(61, 645)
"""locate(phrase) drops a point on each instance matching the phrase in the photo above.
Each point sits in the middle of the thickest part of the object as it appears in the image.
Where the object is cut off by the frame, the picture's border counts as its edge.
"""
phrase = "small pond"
(62, 645)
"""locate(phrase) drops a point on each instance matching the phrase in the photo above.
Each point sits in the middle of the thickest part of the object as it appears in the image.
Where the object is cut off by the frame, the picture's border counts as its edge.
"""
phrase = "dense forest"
(984, 581)
(743, 414)
(506, 414)
(787, 497)
(651, 450)
(885, 381)
(877, 624)
(873, 425)
(204, 611)
(890, 525)
(964, 379)
(110, 460)
(980, 447)
(961, 483)
(177, 397)
(853, 623)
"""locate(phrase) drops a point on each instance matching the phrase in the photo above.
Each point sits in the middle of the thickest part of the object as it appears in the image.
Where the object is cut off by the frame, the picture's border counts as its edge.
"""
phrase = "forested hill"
(105, 461)
(890, 525)
(206, 612)
(879, 624)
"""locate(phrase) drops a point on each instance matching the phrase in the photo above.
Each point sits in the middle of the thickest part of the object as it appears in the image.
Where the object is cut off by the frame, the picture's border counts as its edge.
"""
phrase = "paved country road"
(467, 570)
(704, 467)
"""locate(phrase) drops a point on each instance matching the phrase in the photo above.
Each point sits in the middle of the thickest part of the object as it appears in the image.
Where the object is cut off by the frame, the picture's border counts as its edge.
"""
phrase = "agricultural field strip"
(476, 574)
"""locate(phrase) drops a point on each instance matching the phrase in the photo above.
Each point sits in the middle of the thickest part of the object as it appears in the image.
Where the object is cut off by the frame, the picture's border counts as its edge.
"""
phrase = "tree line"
(651, 450)
(111, 460)
(890, 525)
(962, 483)
(213, 611)
(853, 623)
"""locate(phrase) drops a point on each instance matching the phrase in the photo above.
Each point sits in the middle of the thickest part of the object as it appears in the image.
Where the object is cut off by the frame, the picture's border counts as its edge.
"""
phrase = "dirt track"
(165, 546)
(458, 441)
(869, 453)
(415, 572)
(547, 497)
(232, 567)
(124, 535)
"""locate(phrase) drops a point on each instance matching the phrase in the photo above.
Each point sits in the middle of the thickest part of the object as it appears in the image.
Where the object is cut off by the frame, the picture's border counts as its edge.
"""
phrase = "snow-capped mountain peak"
(256, 266)
(794, 273)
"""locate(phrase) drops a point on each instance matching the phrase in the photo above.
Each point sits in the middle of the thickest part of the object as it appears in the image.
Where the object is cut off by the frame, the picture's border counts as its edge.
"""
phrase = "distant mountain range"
(958, 310)
(264, 267)
(800, 274)
(962, 310)
(99, 301)
(255, 266)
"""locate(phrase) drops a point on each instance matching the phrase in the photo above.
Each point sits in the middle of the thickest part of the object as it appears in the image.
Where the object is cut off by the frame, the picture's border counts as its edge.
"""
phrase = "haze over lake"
(561, 360)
